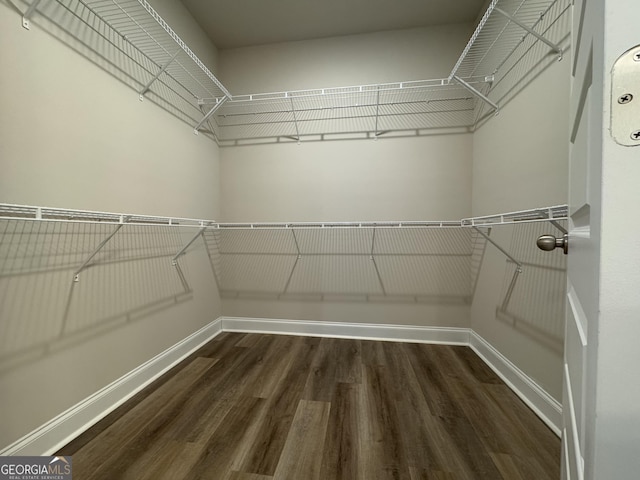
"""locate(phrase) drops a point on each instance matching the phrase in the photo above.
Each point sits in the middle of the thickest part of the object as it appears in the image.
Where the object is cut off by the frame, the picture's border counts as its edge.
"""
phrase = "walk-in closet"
(320, 240)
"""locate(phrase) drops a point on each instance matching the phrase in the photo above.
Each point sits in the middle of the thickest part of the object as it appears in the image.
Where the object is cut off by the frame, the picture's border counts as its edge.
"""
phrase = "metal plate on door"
(625, 99)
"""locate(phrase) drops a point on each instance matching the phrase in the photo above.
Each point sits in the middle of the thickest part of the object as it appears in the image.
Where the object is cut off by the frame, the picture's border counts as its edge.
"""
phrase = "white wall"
(393, 56)
(427, 178)
(72, 136)
(520, 161)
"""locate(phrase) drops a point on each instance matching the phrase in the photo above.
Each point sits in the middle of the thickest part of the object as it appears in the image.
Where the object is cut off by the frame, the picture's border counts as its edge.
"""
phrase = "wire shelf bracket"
(76, 275)
(495, 244)
(27, 15)
(516, 273)
(511, 18)
(219, 103)
(295, 121)
(477, 93)
(174, 260)
(146, 88)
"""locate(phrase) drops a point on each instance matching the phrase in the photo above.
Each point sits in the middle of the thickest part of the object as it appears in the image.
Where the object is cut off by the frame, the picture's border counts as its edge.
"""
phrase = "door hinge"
(625, 98)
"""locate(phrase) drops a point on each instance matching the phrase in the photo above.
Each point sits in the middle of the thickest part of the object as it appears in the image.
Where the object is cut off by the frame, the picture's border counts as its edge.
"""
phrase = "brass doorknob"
(549, 242)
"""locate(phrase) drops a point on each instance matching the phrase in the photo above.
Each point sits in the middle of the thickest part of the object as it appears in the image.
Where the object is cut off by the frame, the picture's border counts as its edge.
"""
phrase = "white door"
(601, 405)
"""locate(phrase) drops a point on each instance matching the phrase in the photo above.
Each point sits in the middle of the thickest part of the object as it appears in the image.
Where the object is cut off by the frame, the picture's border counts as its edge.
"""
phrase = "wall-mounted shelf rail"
(130, 40)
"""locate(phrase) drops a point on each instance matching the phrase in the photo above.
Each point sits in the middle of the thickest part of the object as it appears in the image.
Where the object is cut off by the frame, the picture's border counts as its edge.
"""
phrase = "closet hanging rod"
(27, 212)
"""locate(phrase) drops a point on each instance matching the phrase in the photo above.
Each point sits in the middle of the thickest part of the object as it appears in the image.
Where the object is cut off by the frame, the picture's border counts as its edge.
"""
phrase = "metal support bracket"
(375, 265)
(219, 103)
(295, 264)
(476, 92)
(516, 273)
(76, 275)
(295, 120)
(145, 89)
(512, 285)
(556, 224)
(28, 13)
(295, 241)
(373, 244)
(377, 114)
(511, 18)
(492, 242)
(174, 260)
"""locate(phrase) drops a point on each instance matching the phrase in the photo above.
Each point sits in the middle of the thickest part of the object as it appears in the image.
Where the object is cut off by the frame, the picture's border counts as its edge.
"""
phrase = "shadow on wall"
(42, 306)
(421, 265)
(536, 303)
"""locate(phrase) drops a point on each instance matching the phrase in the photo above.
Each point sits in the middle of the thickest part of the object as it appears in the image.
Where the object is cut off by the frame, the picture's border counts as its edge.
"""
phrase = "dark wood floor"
(260, 407)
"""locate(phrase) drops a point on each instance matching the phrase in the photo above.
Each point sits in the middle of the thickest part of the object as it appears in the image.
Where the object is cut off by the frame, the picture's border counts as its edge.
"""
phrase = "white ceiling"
(240, 23)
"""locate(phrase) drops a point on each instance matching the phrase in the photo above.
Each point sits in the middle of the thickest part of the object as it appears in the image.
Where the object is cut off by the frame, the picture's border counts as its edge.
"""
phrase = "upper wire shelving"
(367, 111)
(511, 40)
(27, 212)
(130, 39)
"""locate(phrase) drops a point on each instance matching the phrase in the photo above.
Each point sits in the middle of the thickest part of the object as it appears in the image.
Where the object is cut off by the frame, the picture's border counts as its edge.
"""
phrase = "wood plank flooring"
(263, 407)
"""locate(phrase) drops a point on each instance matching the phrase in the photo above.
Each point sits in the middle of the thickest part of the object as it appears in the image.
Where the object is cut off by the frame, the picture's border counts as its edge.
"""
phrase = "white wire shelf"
(26, 212)
(542, 214)
(337, 225)
(130, 40)
(369, 109)
(512, 40)
(497, 36)
(509, 44)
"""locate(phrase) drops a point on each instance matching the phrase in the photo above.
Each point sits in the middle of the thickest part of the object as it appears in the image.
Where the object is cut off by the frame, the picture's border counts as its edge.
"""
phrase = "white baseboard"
(51, 436)
(59, 431)
(361, 331)
(544, 405)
